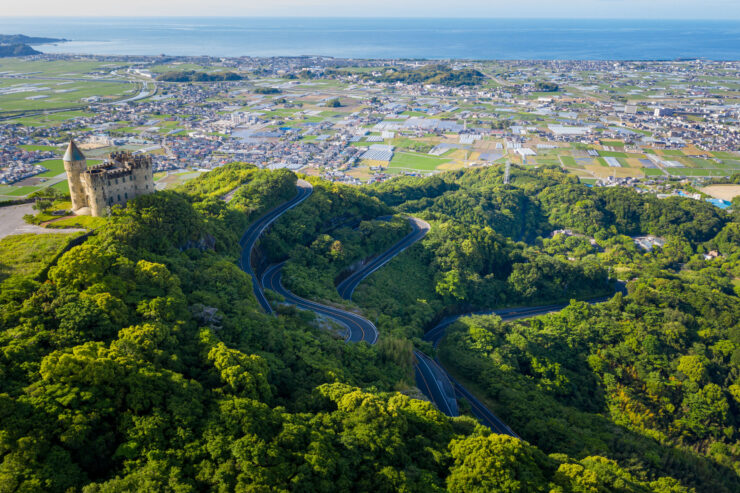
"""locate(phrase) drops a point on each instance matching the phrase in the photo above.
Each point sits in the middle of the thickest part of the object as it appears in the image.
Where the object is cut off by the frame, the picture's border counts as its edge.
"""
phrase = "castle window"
(119, 197)
(131, 178)
(110, 201)
(116, 181)
(126, 195)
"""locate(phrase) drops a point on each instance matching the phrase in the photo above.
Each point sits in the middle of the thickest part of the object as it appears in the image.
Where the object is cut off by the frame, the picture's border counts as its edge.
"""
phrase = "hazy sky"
(631, 9)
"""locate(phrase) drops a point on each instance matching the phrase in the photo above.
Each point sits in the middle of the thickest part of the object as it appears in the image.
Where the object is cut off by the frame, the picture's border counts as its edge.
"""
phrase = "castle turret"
(95, 180)
(75, 164)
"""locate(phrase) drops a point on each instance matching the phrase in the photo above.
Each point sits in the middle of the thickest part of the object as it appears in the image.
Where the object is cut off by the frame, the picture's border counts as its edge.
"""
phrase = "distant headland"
(22, 39)
(20, 44)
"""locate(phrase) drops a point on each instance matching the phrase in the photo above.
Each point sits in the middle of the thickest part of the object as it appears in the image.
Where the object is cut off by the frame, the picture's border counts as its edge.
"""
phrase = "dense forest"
(610, 379)
(430, 74)
(194, 76)
(139, 360)
(267, 90)
(649, 379)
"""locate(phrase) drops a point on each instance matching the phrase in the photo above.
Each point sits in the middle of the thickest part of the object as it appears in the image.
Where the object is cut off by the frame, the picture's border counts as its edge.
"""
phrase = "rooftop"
(73, 153)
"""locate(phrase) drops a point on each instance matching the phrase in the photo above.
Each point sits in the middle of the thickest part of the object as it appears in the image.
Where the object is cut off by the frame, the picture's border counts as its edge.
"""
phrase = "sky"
(610, 9)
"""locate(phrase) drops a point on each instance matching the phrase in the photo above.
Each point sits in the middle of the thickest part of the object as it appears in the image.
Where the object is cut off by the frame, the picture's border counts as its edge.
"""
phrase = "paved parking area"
(12, 223)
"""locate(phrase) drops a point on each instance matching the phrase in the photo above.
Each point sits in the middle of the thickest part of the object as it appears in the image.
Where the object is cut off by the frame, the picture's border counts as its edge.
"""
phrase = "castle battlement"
(121, 177)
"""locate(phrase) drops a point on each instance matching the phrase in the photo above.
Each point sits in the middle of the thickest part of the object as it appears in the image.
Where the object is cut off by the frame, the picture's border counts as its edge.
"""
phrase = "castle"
(122, 177)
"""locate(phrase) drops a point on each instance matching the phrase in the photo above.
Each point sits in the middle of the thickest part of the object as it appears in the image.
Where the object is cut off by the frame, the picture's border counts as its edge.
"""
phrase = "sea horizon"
(383, 38)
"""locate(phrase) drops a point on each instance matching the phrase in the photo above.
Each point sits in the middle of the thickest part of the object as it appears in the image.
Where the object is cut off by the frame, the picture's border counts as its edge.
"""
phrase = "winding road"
(437, 333)
(347, 287)
(431, 378)
(359, 329)
(249, 239)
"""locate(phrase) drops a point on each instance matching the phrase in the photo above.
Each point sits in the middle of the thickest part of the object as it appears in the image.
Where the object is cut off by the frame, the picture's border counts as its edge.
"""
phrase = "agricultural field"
(202, 125)
(416, 162)
(48, 94)
(57, 68)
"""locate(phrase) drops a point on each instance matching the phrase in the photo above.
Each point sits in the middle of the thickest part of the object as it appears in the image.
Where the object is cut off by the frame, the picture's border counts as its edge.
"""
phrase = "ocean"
(488, 39)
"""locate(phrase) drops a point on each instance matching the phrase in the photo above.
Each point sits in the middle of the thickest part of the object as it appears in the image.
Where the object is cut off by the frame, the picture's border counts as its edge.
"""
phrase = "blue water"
(389, 38)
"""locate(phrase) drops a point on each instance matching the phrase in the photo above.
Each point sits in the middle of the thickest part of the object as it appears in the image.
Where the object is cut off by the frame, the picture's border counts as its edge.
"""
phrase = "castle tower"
(75, 164)
(94, 182)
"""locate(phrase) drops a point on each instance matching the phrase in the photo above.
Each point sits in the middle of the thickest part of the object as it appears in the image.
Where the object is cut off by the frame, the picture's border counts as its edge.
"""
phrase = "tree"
(496, 463)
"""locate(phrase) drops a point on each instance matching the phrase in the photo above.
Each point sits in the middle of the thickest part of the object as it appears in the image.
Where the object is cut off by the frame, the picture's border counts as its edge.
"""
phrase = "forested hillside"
(648, 379)
(140, 360)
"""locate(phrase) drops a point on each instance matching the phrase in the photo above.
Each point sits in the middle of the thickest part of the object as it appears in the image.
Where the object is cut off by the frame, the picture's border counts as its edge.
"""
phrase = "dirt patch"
(31, 181)
(724, 192)
(449, 166)
(603, 172)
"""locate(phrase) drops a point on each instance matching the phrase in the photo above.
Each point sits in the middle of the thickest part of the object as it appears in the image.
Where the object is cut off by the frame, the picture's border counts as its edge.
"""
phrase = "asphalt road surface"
(250, 237)
(434, 382)
(436, 333)
(347, 287)
(12, 223)
(432, 379)
(359, 329)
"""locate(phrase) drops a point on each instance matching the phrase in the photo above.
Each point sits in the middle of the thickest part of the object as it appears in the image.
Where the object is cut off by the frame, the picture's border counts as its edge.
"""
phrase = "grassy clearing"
(55, 68)
(612, 143)
(87, 222)
(55, 167)
(22, 191)
(612, 154)
(696, 162)
(697, 172)
(652, 172)
(725, 155)
(416, 161)
(62, 186)
(52, 119)
(28, 254)
(56, 149)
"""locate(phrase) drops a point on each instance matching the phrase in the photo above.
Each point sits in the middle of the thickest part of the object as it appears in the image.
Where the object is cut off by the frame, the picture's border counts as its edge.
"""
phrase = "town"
(664, 127)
